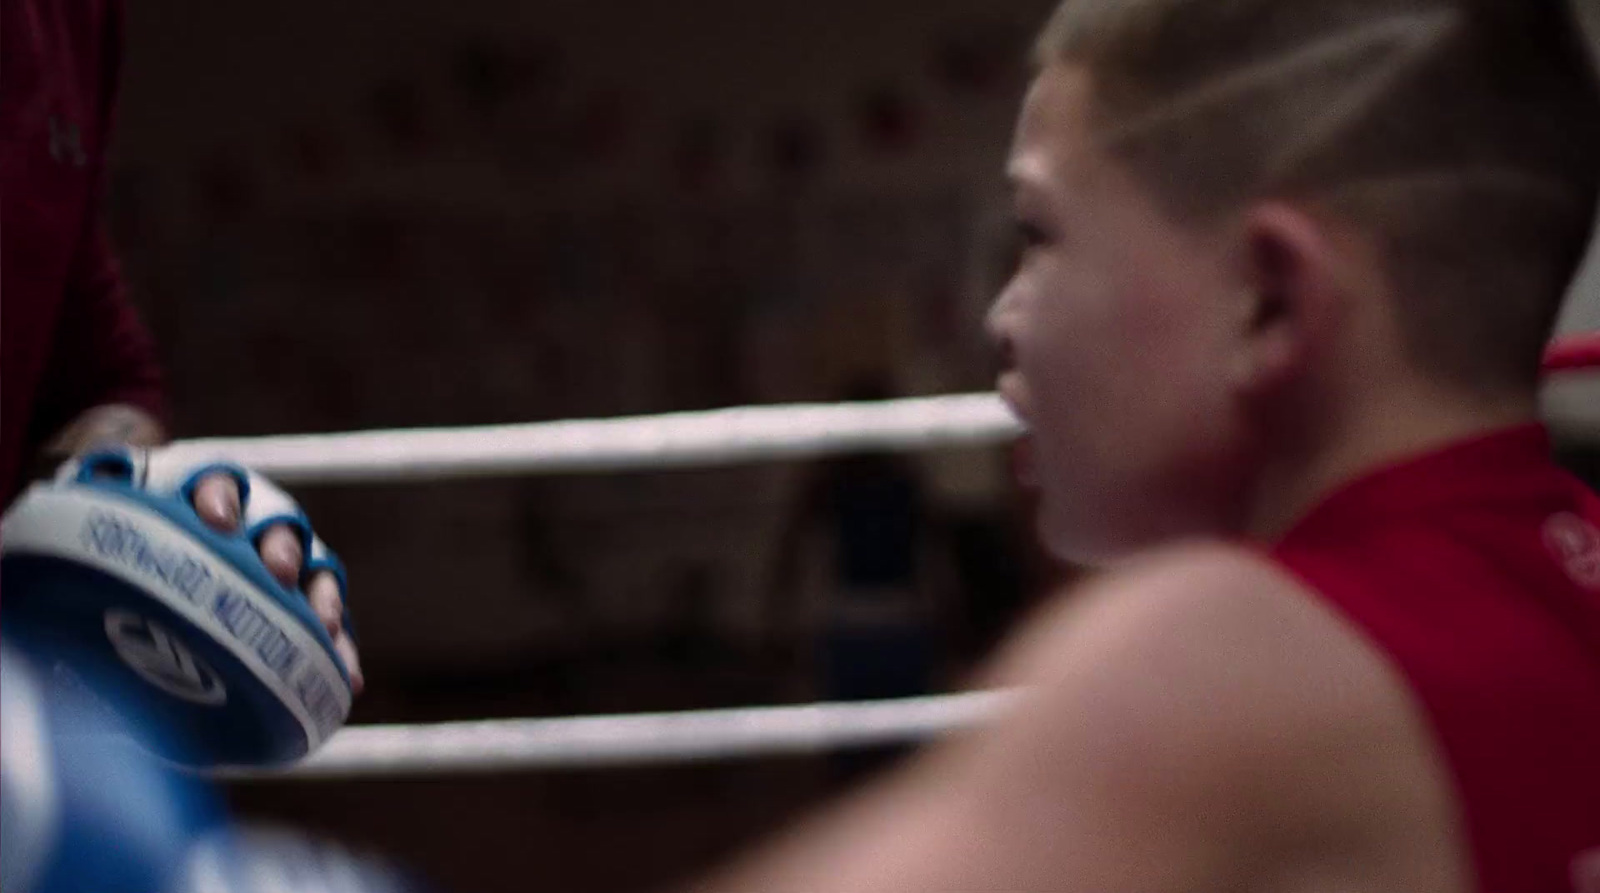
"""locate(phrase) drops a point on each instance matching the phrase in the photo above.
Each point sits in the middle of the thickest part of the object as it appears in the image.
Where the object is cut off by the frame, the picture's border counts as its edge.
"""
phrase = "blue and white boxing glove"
(275, 860)
(112, 580)
(86, 812)
(91, 813)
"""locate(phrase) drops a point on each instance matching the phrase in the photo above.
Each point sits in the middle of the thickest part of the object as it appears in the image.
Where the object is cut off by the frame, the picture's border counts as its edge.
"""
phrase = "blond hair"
(1463, 134)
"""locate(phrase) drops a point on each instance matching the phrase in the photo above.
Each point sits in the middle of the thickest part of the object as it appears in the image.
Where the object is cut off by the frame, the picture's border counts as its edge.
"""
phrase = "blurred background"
(355, 215)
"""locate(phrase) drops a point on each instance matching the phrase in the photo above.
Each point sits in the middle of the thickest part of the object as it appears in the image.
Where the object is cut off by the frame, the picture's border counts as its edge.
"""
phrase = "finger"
(346, 647)
(326, 603)
(281, 553)
(216, 500)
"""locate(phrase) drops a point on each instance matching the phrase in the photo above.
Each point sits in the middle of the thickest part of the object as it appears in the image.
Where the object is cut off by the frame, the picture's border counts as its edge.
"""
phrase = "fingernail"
(280, 551)
(223, 506)
(352, 663)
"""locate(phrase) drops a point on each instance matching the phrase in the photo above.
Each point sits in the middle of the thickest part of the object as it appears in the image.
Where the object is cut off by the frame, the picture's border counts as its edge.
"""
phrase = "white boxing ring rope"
(715, 437)
(641, 738)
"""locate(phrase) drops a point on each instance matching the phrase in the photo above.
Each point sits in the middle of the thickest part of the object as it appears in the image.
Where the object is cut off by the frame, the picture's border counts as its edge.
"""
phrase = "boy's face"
(1118, 329)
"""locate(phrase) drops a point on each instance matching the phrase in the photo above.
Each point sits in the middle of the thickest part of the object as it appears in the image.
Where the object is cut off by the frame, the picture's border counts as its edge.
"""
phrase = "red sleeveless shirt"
(1476, 570)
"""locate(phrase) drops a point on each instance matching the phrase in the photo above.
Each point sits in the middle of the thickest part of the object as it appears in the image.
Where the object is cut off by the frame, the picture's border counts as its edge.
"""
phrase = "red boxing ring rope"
(1573, 353)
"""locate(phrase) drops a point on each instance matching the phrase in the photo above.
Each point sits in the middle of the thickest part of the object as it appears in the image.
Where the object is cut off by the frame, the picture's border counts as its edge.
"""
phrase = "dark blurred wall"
(363, 215)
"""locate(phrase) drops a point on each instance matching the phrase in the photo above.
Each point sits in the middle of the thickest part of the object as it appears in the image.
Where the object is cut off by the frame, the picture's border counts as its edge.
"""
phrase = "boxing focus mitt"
(111, 579)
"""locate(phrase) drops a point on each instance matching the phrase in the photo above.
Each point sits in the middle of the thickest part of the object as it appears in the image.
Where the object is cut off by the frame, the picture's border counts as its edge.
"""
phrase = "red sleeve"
(102, 352)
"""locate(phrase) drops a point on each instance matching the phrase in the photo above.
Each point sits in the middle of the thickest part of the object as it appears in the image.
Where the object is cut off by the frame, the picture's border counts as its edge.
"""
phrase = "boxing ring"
(717, 437)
